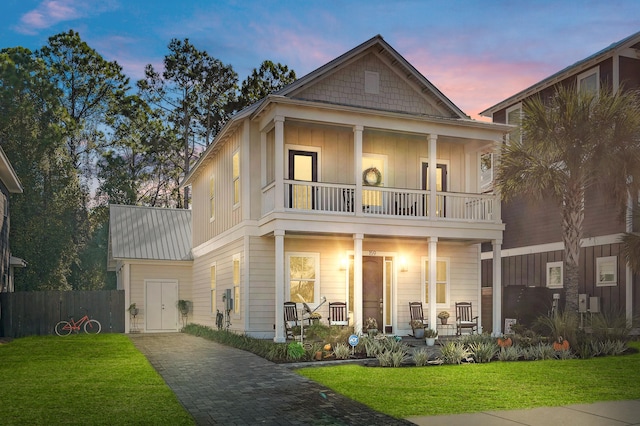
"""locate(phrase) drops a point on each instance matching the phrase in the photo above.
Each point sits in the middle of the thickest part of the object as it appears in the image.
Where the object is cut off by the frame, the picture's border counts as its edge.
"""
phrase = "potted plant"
(444, 316)
(315, 317)
(133, 310)
(371, 325)
(430, 336)
(183, 307)
(418, 328)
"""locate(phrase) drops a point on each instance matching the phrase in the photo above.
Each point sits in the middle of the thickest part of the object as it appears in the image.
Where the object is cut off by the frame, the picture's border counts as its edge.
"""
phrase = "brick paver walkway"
(220, 385)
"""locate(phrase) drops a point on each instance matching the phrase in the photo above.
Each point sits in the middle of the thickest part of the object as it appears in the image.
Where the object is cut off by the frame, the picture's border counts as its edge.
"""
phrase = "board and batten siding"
(160, 270)
(220, 166)
(223, 259)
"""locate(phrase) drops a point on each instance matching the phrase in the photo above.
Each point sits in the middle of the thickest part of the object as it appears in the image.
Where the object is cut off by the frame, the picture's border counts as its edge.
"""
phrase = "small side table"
(447, 329)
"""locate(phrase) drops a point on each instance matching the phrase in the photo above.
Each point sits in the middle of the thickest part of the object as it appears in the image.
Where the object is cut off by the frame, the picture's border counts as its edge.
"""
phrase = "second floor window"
(514, 117)
(236, 177)
(589, 81)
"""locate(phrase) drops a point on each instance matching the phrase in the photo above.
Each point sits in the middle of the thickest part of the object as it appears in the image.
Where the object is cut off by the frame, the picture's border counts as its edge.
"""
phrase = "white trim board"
(544, 248)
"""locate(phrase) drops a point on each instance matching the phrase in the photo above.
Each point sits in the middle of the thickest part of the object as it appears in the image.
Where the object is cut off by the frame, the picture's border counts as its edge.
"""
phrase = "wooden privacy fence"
(37, 312)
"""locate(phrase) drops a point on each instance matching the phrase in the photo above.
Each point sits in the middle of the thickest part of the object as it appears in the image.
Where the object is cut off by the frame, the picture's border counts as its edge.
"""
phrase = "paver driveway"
(221, 385)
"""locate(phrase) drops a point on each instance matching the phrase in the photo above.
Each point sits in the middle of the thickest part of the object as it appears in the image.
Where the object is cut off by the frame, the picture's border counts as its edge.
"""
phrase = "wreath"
(372, 176)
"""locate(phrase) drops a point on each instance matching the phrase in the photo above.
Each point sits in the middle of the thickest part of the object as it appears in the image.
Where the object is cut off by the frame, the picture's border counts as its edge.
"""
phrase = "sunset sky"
(476, 52)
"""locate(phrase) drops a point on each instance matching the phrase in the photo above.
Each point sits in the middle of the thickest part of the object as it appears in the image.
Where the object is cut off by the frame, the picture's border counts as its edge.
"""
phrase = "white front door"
(161, 305)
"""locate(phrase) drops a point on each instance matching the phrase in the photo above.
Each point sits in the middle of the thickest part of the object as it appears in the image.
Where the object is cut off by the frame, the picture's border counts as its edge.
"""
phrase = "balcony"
(341, 199)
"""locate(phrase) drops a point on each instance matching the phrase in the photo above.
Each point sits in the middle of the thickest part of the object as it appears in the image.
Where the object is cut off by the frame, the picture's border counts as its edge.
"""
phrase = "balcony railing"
(389, 202)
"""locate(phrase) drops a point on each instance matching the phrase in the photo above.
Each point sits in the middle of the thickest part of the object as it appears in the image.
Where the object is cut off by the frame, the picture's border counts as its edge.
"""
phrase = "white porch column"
(433, 168)
(279, 163)
(497, 288)
(628, 293)
(357, 153)
(433, 266)
(357, 282)
(126, 286)
(280, 336)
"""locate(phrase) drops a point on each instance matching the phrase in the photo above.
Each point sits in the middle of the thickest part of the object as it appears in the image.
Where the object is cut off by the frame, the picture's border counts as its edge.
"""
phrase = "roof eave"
(555, 78)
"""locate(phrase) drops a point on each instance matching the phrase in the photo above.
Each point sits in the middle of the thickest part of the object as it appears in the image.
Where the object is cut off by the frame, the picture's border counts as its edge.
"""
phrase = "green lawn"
(454, 389)
(83, 380)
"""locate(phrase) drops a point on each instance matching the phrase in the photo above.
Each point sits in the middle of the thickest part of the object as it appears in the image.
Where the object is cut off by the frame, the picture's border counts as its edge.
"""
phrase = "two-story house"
(9, 184)
(532, 251)
(360, 183)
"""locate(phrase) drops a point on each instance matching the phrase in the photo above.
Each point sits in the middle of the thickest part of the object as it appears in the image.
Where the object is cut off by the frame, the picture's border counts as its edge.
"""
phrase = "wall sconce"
(343, 263)
(404, 267)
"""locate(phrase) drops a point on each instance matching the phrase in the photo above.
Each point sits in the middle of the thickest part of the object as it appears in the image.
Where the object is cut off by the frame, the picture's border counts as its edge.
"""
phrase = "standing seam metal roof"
(149, 233)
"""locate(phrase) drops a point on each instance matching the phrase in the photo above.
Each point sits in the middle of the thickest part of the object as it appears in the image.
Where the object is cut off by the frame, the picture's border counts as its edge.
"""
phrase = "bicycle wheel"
(92, 327)
(63, 328)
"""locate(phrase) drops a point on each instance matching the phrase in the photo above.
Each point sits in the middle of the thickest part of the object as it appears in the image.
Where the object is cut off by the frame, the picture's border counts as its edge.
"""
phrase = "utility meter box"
(594, 305)
(582, 303)
(226, 297)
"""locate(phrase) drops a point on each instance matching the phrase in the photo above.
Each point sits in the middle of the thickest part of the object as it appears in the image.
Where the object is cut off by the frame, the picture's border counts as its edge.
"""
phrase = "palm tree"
(572, 142)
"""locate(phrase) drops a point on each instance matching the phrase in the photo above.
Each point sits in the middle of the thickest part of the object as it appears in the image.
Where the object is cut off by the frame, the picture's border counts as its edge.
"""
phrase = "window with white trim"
(589, 81)
(304, 285)
(236, 283)
(236, 177)
(514, 117)
(555, 275)
(607, 271)
(213, 289)
(442, 281)
(486, 172)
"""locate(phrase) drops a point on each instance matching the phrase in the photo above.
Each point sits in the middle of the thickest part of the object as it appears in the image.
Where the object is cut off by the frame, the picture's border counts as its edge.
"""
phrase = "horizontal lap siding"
(261, 285)
(223, 259)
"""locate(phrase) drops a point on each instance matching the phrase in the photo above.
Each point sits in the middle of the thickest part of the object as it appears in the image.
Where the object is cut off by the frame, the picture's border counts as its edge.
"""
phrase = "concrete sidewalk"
(221, 385)
(598, 414)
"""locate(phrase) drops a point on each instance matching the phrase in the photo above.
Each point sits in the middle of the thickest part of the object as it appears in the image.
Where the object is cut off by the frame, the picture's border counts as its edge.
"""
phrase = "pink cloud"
(475, 83)
(50, 12)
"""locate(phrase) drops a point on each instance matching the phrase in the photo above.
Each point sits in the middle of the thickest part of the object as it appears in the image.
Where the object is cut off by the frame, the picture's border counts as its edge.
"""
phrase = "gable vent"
(371, 82)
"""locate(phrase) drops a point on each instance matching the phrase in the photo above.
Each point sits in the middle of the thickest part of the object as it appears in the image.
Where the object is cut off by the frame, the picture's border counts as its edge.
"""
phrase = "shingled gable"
(397, 77)
(628, 47)
(148, 233)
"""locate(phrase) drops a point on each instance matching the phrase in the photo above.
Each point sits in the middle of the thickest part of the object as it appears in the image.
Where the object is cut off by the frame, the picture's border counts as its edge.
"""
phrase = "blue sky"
(476, 52)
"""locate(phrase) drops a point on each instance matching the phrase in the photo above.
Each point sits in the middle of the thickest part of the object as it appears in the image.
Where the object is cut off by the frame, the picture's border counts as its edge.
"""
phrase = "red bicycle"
(90, 326)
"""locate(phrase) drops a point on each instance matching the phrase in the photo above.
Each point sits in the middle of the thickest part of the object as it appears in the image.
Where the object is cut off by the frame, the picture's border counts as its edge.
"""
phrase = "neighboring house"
(532, 251)
(360, 183)
(9, 184)
(150, 251)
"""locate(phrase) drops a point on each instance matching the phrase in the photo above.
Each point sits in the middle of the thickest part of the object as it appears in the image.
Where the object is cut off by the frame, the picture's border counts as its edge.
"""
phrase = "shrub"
(483, 351)
(565, 354)
(540, 351)
(421, 357)
(511, 353)
(471, 339)
(295, 351)
(454, 352)
(342, 351)
(610, 325)
(558, 324)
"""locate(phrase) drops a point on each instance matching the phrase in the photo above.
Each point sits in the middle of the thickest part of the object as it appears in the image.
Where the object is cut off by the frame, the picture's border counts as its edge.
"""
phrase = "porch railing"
(392, 202)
